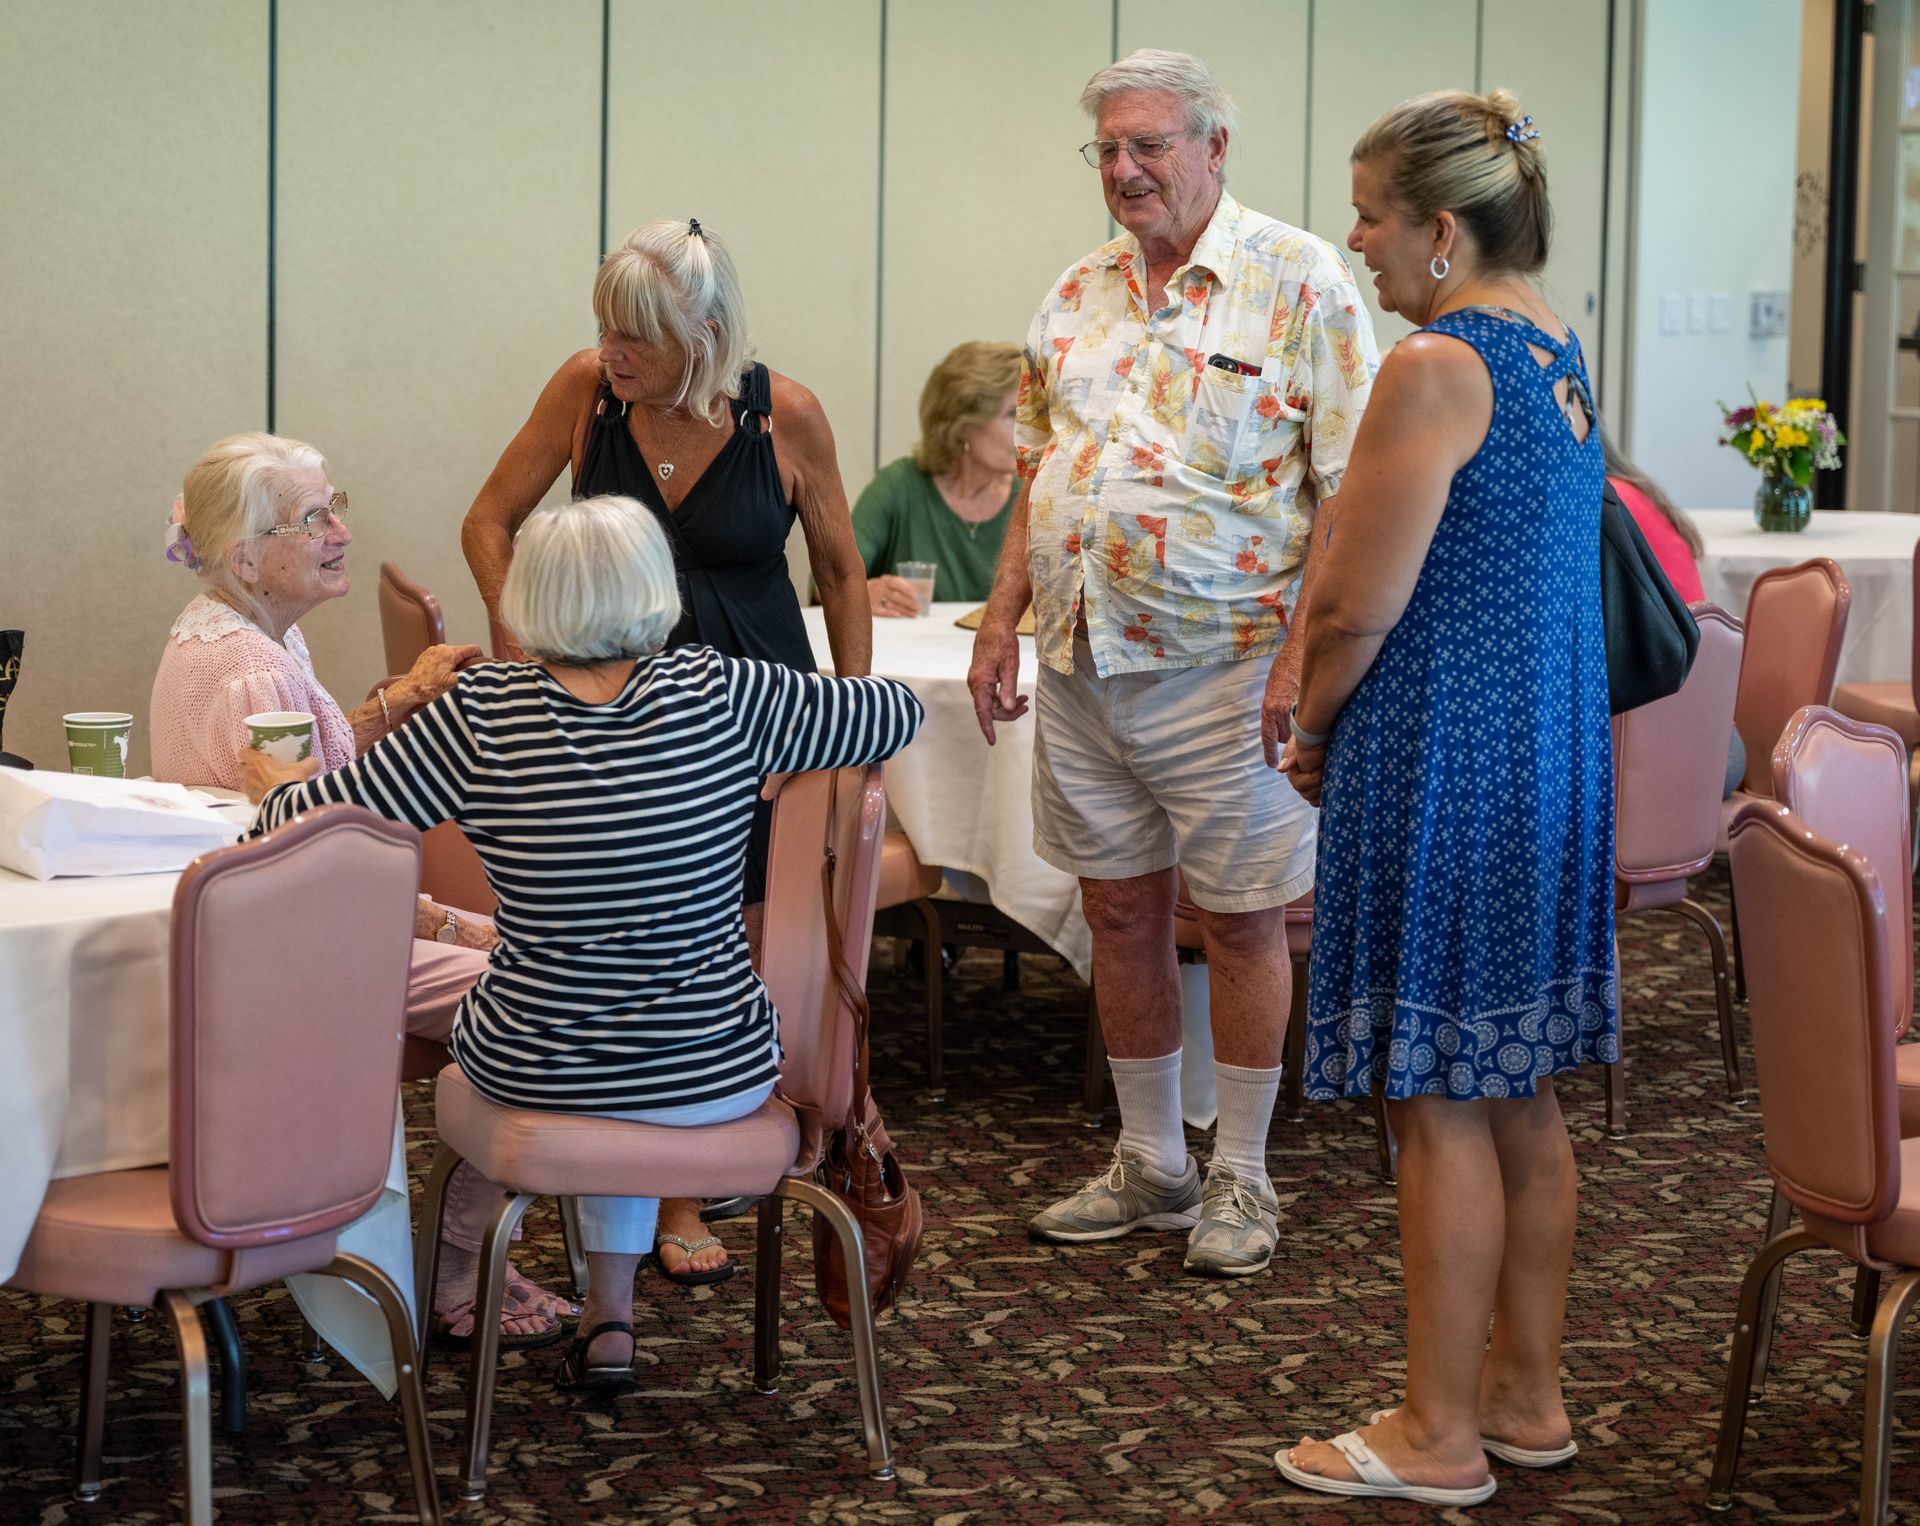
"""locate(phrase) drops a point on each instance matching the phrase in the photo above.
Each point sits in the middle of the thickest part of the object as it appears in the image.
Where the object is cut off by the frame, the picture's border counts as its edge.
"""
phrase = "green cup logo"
(286, 736)
(97, 742)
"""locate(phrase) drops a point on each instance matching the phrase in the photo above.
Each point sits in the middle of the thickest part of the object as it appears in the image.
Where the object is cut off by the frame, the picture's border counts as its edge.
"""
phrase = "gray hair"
(236, 492)
(590, 582)
(673, 282)
(1207, 105)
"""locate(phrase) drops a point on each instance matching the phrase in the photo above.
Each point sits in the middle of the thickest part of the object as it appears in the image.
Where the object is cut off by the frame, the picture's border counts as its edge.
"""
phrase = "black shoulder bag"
(1651, 636)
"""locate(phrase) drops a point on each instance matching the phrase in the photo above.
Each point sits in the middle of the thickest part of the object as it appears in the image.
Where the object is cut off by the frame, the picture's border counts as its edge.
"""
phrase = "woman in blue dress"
(1452, 723)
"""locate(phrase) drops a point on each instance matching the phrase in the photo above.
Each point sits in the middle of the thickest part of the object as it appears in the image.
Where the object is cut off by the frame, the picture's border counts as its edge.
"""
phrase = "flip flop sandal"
(441, 1332)
(1506, 1451)
(526, 1298)
(685, 1278)
(578, 1374)
(1376, 1480)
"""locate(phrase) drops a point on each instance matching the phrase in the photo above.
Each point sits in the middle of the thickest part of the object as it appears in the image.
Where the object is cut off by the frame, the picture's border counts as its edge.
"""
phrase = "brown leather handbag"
(859, 1165)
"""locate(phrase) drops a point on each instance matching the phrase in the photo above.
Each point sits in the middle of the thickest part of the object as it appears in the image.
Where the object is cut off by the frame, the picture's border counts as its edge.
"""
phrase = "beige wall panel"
(1261, 58)
(438, 210)
(132, 326)
(1368, 55)
(1553, 55)
(764, 123)
(986, 199)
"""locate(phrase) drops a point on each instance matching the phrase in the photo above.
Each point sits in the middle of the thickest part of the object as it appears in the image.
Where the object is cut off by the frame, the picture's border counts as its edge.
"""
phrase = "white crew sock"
(1149, 1096)
(1246, 1112)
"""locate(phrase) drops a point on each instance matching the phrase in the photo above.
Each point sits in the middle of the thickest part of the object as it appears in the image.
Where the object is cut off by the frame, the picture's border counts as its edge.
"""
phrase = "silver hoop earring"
(1439, 265)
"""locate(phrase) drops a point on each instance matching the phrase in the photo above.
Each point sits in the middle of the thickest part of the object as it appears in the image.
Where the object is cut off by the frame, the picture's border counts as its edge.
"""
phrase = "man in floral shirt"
(1190, 394)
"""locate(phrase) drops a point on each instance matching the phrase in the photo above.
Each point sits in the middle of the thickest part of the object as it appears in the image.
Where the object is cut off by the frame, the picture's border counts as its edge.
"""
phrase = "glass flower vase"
(1778, 504)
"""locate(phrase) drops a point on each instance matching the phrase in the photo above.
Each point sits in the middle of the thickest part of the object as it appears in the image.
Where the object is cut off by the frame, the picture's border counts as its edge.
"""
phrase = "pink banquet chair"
(771, 1154)
(1822, 961)
(1669, 766)
(1895, 703)
(285, 1077)
(410, 619)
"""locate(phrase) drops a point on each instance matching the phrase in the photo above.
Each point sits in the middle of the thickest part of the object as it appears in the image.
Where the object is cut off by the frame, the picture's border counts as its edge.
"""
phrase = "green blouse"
(901, 517)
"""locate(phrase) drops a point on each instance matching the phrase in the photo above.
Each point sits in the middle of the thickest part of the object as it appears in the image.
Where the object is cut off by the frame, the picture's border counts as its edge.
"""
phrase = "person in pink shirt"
(1675, 541)
(265, 532)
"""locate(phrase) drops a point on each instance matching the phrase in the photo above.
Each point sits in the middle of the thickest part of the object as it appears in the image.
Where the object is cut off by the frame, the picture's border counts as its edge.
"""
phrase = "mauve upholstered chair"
(1894, 703)
(285, 1078)
(1669, 766)
(771, 1154)
(1820, 947)
(410, 619)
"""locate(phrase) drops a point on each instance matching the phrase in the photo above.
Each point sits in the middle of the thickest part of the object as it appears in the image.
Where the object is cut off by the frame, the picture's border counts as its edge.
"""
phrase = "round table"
(1875, 551)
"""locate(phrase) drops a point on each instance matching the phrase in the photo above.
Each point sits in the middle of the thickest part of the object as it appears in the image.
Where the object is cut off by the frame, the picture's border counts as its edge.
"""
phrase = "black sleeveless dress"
(729, 539)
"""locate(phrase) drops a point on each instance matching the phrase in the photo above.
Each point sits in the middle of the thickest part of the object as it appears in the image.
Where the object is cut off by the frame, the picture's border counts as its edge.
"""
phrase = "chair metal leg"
(1010, 969)
(1293, 1058)
(233, 1366)
(1616, 1075)
(936, 996)
(1388, 1146)
(1093, 1096)
(93, 1400)
(1882, 1347)
(570, 1238)
(866, 1358)
(1866, 1297)
(364, 1275)
(770, 1235)
(1779, 1217)
(195, 1421)
(1733, 927)
(1697, 914)
(489, 1300)
(426, 1246)
(1733, 1410)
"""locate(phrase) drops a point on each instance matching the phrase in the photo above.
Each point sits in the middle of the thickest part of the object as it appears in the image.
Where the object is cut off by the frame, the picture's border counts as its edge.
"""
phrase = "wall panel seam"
(880, 243)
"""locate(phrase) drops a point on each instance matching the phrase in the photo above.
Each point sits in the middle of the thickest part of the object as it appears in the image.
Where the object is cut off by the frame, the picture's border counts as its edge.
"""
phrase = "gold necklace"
(665, 467)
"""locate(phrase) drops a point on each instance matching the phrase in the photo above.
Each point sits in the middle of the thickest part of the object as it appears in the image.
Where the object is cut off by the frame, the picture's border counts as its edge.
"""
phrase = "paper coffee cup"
(97, 742)
(286, 736)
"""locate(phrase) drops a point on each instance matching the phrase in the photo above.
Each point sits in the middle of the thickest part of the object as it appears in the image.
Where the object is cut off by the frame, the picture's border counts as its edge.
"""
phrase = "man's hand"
(994, 675)
(260, 773)
(892, 597)
(1283, 688)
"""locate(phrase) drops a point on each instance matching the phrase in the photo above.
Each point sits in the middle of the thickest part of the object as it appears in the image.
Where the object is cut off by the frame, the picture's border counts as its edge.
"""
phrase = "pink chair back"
(1796, 619)
(1814, 929)
(1914, 670)
(1847, 780)
(816, 1022)
(1670, 763)
(289, 1007)
(410, 618)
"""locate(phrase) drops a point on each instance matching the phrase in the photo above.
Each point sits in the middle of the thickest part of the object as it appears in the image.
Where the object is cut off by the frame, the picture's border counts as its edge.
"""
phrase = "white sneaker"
(1128, 1195)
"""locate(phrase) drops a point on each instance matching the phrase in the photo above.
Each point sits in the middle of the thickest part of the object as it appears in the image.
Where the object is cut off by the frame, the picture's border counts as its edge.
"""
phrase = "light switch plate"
(1769, 315)
(1719, 313)
(1697, 313)
(1673, 312)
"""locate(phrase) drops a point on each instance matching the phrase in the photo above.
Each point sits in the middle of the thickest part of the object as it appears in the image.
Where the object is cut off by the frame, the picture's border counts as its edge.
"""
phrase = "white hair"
(237, 491)
(673, 282)
(590, 582)
(1181, 75)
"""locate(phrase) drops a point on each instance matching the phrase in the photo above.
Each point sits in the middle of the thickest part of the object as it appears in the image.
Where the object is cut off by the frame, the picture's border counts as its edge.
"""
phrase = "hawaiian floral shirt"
(1176, 457)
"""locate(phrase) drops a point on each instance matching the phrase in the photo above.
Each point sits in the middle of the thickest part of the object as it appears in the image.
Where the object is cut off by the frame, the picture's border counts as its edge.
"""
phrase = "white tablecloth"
(1875, 551)
(84, 1080)
(965, 805)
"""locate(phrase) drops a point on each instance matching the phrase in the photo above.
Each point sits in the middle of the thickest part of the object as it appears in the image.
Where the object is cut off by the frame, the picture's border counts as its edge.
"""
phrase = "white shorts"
(1141, 771)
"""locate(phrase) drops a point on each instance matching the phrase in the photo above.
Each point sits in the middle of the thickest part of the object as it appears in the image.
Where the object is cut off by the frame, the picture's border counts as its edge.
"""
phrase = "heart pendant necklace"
(666, 470)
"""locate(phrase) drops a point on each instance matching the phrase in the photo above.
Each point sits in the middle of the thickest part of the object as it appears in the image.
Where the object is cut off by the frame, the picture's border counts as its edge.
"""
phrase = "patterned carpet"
(1031, 1383)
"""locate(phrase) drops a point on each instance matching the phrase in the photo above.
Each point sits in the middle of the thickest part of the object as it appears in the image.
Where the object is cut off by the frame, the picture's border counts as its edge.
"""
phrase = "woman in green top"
(948, 502)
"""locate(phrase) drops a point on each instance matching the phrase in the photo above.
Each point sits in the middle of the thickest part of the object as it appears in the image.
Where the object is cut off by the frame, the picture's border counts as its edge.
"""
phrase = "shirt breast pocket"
(1240, 422)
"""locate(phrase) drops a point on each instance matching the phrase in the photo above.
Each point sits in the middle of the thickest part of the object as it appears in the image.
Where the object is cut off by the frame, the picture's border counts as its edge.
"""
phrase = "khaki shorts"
(1141, 771)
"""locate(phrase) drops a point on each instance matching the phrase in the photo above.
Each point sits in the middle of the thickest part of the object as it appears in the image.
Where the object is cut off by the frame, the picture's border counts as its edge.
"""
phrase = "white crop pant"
(624, 1226)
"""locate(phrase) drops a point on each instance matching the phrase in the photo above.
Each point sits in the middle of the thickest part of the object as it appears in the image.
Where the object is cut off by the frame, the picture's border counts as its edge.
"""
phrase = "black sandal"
(577, 1373)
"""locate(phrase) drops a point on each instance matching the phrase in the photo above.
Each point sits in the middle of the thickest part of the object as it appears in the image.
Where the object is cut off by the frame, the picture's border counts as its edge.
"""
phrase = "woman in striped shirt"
(609, 789)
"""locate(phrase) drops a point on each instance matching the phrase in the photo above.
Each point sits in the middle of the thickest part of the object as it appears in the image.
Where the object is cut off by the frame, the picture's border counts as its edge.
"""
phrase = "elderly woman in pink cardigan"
(266, 532)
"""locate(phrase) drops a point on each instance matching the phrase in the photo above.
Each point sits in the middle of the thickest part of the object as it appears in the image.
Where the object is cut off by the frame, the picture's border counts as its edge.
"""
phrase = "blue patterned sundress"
(1463, 906)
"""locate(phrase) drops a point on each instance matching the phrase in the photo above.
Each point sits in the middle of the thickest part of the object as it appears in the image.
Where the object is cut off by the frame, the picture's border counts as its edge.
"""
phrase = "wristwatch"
(449, 930)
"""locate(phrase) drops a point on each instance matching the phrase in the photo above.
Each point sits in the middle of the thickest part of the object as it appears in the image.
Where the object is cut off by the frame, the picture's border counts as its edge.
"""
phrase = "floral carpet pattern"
(1028, 1382)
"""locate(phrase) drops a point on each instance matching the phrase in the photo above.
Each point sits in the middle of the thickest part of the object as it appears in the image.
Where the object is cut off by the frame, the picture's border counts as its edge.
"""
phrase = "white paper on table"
(80, 824)
(346, 1318)
(1198, 1102)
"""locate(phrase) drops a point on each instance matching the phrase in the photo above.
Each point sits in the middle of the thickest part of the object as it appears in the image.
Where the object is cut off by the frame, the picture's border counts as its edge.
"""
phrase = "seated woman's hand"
(432, 674)
(892, 597)
(260, 773)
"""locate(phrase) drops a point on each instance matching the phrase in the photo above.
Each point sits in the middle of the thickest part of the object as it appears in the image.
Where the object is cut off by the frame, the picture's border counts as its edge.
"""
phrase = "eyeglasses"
(313, 524)
(1104, 151)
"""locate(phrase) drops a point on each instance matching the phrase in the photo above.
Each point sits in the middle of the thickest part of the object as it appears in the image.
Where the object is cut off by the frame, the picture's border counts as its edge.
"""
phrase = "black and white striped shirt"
(615, 837)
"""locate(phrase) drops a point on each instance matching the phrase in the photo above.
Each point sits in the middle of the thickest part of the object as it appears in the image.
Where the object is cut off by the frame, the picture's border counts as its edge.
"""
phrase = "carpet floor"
(1028, 1382)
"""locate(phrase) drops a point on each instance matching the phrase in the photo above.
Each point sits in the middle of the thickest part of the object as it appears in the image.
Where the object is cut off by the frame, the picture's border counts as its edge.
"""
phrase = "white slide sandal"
(1506, 1451)
(1377, 1480)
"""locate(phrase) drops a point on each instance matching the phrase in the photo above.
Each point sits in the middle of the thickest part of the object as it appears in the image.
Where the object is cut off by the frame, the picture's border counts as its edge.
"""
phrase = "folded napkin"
(53, 824)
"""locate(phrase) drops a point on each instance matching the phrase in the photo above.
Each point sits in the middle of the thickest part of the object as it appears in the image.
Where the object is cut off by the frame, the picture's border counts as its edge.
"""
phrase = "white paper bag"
(53, 824)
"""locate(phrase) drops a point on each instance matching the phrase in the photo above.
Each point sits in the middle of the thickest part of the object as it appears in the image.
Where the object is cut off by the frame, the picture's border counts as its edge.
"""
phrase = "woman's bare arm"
(803, 445)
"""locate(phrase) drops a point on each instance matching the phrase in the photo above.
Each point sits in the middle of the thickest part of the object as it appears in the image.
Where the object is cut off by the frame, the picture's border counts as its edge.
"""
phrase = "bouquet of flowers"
(1790, 440)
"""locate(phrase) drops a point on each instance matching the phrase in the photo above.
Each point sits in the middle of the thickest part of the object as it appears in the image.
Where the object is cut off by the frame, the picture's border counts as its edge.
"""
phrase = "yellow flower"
(1818, 405)
(1788, 437)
